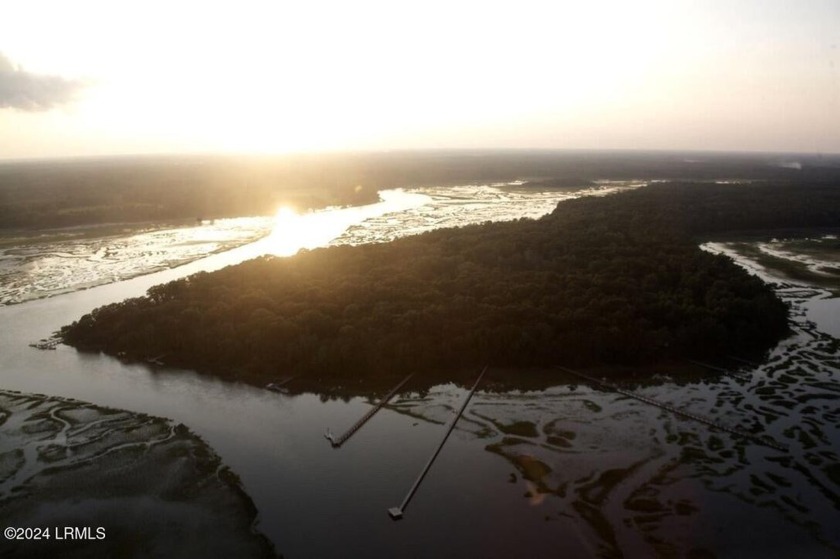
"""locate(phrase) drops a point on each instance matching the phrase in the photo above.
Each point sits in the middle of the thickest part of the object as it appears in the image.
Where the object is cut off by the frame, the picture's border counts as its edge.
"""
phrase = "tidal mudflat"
(808, 258)
(141, 485)
(47, 263)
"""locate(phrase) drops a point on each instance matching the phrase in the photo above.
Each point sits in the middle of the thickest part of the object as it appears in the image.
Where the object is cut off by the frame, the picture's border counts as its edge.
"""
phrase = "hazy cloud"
(33, 92)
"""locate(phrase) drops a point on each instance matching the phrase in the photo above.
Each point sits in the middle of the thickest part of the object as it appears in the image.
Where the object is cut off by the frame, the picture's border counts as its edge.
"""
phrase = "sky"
(97, 77)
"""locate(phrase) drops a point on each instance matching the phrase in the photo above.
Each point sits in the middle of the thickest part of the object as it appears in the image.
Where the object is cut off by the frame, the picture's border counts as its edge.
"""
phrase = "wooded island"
(618, 280)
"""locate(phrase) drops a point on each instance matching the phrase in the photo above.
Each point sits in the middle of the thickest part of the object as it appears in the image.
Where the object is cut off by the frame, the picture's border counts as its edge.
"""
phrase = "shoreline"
(165, 265)
(164, 477)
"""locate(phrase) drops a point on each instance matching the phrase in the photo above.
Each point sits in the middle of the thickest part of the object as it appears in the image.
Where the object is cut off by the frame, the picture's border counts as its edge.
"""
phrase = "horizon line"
(408, 151)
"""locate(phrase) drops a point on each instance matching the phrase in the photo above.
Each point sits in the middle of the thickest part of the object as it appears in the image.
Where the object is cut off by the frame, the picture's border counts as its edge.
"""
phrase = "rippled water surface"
(574, 470)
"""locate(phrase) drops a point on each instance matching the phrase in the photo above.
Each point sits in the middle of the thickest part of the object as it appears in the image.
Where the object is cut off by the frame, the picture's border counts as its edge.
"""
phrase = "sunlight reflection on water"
(293, 232)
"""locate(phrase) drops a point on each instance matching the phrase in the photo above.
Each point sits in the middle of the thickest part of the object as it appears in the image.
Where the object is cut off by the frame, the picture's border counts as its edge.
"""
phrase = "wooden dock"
(397, 512)
(337, 442)
(710, 422)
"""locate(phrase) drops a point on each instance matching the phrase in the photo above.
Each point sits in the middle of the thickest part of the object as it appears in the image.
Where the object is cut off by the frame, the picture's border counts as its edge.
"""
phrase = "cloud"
(33, 92)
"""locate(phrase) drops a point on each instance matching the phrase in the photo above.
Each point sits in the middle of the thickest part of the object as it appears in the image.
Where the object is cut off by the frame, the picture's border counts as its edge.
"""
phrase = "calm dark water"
(570, 471)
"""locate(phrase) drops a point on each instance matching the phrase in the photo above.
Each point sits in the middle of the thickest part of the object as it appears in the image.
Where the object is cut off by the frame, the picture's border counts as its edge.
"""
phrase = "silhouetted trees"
(614, 280)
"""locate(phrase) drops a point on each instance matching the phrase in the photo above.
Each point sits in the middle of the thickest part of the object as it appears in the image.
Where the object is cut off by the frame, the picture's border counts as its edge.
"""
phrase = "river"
(570, 470)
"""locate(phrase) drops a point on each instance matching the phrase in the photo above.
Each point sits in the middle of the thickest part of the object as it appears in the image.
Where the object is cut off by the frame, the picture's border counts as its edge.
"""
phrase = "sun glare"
(285, 214)
(289, 232)
(294, 231)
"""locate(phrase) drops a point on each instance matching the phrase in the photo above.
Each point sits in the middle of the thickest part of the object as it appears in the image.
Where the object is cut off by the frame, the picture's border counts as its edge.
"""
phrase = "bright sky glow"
(276, 76)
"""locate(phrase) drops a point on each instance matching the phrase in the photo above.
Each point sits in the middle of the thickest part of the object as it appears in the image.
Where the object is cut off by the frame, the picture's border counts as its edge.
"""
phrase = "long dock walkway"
(677, 411)
(397, 512)
(337, 442)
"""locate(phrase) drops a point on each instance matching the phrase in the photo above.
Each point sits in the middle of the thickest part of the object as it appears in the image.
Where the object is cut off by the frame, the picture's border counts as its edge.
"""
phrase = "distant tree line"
(704, 210)
(617, 280)
(57, 194)
(51, 194)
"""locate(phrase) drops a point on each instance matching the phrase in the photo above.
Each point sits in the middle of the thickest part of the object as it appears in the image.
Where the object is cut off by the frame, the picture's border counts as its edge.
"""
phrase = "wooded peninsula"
(618, 280)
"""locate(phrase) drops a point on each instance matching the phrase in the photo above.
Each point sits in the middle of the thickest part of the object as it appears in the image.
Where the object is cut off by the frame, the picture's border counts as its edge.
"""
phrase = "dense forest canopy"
(617, 280)
(51, 194)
